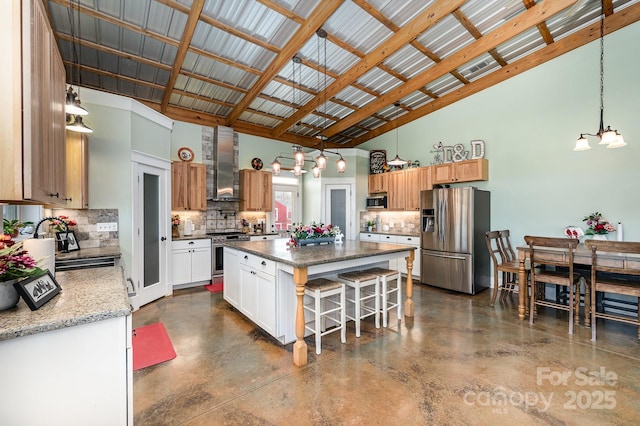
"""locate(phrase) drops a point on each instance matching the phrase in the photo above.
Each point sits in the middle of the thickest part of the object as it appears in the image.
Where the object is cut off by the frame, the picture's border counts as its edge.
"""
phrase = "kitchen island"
(261, 276)
(70, 361)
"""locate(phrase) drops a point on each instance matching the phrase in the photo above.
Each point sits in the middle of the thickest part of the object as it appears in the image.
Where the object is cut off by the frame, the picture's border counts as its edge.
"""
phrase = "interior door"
(338, 207)
(151, 228)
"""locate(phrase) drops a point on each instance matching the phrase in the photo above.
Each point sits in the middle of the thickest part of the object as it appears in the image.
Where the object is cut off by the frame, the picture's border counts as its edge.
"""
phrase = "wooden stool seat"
(323, 291)
(365, 285)
(386, 303)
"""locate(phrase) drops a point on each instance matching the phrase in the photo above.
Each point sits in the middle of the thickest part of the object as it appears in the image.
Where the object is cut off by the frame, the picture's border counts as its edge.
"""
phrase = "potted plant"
(12, 227)
(370, 225)
(15, 264)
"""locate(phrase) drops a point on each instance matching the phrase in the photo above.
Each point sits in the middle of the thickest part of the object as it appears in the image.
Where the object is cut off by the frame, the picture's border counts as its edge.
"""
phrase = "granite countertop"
(88, 295)
(88, 253)
(191, 237)
(300, 257)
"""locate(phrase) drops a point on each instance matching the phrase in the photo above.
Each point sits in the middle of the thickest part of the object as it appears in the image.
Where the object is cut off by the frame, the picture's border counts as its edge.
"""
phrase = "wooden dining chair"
(619, 275)
(501, 265)
(553, 267)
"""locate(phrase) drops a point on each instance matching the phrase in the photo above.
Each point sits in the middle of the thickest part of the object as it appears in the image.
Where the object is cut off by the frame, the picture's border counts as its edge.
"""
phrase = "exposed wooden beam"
(115, 76)
(506, 31)
(321, 13)
(419, 24)
(571, 42)
(115, 52)
(213, 82)
(183, 47)
(542, 26)
(468, 25)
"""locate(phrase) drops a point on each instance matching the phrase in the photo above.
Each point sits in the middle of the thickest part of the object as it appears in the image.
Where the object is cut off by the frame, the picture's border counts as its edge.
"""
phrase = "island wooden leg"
(522, 284)
(408, 304)
(300, 347)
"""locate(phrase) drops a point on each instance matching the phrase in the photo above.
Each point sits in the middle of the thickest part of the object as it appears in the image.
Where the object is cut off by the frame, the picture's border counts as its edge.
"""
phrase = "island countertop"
(302, 257)
(88, 295)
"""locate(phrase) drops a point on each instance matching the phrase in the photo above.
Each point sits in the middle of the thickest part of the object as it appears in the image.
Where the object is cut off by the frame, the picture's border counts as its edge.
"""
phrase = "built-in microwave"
(379, 202)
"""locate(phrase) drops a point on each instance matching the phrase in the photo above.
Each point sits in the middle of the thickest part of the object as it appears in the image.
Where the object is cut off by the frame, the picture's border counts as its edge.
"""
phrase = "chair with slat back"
(620, 276)
(510, 256)
(560, 258)
(501, 265)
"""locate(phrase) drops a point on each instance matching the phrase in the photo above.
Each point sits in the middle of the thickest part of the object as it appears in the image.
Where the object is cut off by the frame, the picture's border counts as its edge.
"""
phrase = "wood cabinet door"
(425, 178)
(412, 189)
(231, 289)
(267, 191)
(378, 183)
(57, 136)
(472, 170)
(396, 190)
(197, 187)
(201, 264)
(255, 190)
(180, 267)
(266, 309)
(179, 183)
(77, 153)
(442, 173)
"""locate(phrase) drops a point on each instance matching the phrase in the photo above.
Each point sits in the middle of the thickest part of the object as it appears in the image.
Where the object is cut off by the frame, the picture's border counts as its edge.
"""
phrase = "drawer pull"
(263, 263)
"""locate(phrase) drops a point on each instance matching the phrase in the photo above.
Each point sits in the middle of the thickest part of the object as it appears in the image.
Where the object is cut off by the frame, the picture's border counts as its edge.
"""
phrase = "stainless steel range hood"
(224, 165)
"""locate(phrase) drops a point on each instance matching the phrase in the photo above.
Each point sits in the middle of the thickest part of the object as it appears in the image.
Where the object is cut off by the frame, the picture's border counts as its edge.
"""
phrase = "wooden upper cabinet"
(255, 190)
(188, 186)
(412, 188)
(77, 170)
(32, 87)
(396, 190)
(463, 171)
(378, 183)
(425, 178)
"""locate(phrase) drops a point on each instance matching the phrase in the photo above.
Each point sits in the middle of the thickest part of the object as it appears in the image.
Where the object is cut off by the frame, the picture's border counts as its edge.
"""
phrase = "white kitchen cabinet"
(191, 262)
(369, 236)
(231, 291)
(78, 375)
(258, 291)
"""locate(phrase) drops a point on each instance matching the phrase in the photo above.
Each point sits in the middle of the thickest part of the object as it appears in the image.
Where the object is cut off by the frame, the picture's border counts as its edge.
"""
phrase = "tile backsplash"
(86, 230)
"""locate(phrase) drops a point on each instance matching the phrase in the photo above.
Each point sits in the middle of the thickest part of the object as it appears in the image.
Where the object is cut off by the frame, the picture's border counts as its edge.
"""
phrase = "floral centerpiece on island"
(597, 225)
(313, 231)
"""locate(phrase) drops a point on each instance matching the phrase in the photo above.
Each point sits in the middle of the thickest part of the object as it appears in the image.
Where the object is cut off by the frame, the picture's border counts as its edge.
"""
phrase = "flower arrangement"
(175, 220)
(58, 225)
(15, 262)
(311, 231)
(596, 224)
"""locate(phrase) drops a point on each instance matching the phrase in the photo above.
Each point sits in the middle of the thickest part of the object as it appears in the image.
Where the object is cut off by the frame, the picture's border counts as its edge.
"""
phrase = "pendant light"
(397, 161)
(610, 138)
(74, 111)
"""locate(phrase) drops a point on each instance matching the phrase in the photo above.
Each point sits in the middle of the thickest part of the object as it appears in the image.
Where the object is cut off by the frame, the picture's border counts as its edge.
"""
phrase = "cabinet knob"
(190, 242)
(57, 195)
(263, 263)
(163, 238)
(68, 199)
(246, 257)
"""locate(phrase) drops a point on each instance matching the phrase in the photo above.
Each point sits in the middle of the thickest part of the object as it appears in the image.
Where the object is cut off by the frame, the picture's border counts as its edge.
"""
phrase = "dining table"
(581, 257)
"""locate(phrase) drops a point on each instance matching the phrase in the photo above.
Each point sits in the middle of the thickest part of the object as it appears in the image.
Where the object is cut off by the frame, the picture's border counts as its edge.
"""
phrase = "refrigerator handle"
(446, 257)
(442, 215)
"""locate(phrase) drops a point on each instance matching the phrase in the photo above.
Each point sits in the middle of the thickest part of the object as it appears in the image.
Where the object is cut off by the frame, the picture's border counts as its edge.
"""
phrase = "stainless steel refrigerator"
(454, 252)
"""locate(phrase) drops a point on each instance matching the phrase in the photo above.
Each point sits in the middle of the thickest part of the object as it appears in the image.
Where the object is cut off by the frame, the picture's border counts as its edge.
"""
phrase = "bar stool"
(320, 291)
(386, 304)
(365, 285)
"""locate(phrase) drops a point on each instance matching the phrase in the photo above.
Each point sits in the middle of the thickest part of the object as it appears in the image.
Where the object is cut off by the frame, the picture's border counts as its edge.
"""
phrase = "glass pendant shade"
(342, 165)
(321, 161)
(316, 171)
(608, 137)
(299, 157)
(72, 105)
(297, 170)
(582, 144)
(77, 125)
(275, 167)
(618, 142)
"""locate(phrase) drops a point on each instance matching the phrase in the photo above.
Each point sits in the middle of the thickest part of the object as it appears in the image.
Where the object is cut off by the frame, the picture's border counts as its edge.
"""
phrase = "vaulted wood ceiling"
(230, 62)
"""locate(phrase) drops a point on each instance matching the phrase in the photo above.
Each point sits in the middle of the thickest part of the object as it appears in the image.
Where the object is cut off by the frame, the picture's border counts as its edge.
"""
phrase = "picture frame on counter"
(73, 241)
(38, 290)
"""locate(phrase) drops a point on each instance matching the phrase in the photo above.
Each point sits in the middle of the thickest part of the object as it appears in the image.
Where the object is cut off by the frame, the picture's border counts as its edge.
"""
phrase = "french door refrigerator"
(454, 252)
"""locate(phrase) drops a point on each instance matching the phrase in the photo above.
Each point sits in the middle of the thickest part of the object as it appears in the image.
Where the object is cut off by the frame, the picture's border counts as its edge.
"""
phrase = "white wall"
(530, 124)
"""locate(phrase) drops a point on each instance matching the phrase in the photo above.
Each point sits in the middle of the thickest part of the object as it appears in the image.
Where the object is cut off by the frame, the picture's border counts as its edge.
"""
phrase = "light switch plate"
(107, 227)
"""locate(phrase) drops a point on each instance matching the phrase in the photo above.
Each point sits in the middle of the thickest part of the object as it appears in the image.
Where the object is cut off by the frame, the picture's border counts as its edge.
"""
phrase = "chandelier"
(610, 138)
(74, 111)
(298, 156)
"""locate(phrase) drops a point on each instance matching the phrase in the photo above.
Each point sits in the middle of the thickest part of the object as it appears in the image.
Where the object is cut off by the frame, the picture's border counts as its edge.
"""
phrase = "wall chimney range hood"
(224, 165)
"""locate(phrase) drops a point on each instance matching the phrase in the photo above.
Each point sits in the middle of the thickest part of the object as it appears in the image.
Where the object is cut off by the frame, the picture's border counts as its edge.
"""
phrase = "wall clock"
(256, 163)
(185, 154)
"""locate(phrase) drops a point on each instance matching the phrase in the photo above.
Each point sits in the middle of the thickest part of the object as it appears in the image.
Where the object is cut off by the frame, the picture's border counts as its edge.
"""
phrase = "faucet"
(65, 241)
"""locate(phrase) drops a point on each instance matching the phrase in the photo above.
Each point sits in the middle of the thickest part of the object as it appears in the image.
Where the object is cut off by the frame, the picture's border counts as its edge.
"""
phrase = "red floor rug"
(151, 346)
(215, 287)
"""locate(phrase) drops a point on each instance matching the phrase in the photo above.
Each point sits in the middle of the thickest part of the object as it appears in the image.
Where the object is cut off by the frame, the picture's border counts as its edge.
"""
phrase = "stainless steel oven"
(217, 249)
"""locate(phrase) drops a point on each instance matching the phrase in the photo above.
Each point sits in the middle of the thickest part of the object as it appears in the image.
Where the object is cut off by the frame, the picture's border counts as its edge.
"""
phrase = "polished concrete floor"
(458, 361)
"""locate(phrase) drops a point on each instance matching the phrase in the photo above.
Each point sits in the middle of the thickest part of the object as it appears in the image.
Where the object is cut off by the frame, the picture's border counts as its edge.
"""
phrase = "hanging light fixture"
(74, 111)
(397, 161)
(608, 137)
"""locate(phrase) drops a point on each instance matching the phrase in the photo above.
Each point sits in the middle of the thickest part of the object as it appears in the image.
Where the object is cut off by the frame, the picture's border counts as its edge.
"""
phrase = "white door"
(286, 204)
(339, 207)
(151, 229)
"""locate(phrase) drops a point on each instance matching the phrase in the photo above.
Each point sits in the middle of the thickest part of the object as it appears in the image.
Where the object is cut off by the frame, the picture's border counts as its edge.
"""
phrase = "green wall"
(530, 123)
